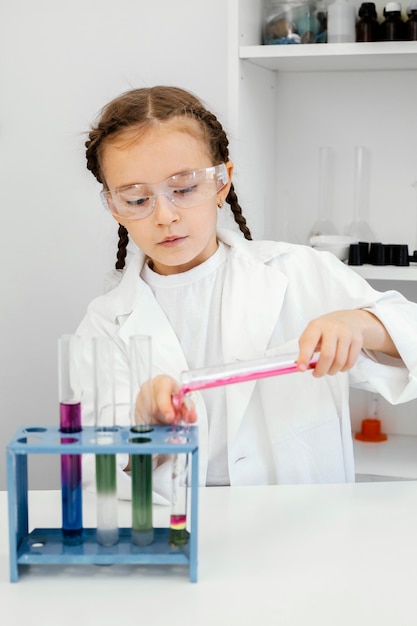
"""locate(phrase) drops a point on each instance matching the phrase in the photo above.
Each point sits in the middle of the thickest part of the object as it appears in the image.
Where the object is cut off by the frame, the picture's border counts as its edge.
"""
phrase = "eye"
(185, 190)
(135, 201)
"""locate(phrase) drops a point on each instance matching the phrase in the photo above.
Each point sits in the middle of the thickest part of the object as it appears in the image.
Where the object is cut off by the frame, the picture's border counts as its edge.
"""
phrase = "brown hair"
(141, 108)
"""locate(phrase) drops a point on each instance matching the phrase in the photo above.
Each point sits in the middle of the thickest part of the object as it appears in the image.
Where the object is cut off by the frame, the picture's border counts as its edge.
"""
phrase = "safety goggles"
(184, 190)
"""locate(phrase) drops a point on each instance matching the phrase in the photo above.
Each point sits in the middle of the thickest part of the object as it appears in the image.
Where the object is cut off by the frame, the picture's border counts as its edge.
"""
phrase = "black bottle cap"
(367, 8)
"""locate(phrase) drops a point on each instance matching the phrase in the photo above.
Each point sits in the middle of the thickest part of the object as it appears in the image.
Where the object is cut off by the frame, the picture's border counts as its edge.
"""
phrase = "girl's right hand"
(158, 393)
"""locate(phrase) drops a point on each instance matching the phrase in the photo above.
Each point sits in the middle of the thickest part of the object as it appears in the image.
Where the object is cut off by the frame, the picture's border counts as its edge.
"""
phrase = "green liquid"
(141, 472)
(105, 473)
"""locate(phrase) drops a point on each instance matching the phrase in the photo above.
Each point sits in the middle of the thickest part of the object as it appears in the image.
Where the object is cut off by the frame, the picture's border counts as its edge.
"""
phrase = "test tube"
(239, 372)
(178, 533)
(69, 391)
(141, 416)
(104, 409)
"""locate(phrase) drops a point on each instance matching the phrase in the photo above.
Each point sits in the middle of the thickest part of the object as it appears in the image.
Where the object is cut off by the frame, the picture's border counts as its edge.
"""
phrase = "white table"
(325, 555)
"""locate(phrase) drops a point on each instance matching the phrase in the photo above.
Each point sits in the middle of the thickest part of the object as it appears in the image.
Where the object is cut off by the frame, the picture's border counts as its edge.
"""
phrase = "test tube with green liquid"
(104, 409)
(141, 417)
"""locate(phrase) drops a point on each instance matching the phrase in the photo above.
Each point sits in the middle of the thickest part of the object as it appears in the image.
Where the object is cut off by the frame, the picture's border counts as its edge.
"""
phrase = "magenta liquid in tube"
(70, 423)
(238, 372)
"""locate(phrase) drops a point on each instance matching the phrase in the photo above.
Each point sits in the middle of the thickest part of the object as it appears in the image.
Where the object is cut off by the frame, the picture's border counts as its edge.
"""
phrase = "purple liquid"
(71, 486)
(70, 417)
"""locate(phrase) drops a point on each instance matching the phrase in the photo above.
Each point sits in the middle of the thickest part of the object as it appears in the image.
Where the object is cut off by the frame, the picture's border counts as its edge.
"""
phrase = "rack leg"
(17, 487)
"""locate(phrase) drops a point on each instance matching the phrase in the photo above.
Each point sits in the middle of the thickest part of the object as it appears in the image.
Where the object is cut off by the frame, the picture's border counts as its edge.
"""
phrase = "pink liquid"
(198, 385)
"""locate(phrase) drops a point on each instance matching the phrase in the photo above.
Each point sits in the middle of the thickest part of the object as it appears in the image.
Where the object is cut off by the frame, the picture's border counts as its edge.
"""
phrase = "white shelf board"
(387, 272)
(399, 55)
(395, 457)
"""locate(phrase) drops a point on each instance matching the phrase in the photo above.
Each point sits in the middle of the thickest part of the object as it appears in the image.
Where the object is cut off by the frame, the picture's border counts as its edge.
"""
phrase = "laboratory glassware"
(104, 410)
(140, 355)
(324, 225)
(237, 372)
(69, 390)
(178, 534)
(359, 227)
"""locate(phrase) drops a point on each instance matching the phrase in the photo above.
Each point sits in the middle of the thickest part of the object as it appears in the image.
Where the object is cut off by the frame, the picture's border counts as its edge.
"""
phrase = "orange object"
(371, 431)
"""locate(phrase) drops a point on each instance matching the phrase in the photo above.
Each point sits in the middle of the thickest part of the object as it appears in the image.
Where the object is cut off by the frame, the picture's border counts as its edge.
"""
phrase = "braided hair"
(140, 108)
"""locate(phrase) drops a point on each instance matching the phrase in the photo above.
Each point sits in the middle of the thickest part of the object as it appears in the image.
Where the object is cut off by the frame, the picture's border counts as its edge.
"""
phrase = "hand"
(340, 336)
(155, 398)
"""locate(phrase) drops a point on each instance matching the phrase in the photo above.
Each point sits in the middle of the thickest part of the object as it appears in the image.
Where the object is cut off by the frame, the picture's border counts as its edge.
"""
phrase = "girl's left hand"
(339, 337)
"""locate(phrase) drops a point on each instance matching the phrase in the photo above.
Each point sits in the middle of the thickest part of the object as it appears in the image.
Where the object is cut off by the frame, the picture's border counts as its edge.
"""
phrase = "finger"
(309, 342)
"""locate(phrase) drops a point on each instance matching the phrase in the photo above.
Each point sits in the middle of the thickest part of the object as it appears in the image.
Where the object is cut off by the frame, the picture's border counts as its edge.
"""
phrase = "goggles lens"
(184, 190)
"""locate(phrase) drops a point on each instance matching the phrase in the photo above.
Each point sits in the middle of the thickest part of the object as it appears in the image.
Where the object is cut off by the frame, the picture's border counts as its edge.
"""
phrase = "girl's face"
(175, 239)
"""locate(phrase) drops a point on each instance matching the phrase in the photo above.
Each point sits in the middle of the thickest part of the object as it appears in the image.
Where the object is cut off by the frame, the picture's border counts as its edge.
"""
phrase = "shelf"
(400, 55)
(387, 272)
(396, 457)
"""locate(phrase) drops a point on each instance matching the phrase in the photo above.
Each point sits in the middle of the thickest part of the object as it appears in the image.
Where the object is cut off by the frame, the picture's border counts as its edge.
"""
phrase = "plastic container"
(294, 22)
(367, 27)
(411, 23)
(341, 22)
(393, 26)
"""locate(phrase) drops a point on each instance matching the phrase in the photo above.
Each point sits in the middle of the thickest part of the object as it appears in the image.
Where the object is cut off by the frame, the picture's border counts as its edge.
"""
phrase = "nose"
(165, 212)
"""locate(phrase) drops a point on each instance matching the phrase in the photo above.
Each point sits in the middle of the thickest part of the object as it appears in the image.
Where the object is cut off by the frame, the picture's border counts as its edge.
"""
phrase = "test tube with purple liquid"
(70, 422)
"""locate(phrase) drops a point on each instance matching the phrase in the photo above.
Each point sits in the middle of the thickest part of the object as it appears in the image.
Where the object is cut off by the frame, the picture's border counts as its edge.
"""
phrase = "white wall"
(60, 62)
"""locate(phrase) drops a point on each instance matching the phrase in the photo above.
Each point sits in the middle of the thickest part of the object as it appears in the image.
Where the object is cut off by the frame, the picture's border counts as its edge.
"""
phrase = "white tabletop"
(325, 555)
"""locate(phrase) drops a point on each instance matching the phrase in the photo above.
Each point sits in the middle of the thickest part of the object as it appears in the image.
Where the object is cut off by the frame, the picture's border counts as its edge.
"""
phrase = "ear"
(222, 194)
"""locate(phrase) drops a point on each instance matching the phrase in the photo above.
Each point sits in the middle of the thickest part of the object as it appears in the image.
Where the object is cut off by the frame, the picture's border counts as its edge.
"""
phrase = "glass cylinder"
(69, 390)
(141, 418)
(104, 409)
(178, 533)
(359, 227)
(324, 224)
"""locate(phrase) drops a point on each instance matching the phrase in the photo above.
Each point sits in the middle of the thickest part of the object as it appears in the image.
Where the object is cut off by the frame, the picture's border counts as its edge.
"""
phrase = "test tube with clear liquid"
(69, 390)
(140, 357)
(178, 533)
(104, 410)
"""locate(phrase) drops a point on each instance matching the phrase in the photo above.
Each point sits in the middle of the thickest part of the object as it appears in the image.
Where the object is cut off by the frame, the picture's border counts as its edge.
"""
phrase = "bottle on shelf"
(367, 27)
(411, 23)
(393, 26)
(341, 22)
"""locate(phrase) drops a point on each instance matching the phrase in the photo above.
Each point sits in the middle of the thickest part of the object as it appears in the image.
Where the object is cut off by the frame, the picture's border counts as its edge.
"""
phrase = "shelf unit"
(46, 546)
(285, 101)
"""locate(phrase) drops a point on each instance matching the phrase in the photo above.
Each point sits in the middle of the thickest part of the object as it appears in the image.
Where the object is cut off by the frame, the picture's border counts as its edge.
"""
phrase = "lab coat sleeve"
(394, 379)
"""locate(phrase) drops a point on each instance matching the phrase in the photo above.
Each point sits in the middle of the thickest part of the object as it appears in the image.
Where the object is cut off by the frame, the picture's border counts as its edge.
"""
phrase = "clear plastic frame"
(184, 190)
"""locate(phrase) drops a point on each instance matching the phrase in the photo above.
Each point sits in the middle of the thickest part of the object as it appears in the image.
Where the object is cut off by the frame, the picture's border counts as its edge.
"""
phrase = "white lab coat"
(286, 429)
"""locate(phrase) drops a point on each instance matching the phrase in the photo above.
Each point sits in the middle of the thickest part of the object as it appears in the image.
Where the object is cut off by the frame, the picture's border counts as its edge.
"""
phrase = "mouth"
(172, 241)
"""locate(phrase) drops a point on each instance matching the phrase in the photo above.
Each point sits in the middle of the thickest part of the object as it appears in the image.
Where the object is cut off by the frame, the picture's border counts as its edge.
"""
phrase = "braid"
(122, 247)
(237, 212)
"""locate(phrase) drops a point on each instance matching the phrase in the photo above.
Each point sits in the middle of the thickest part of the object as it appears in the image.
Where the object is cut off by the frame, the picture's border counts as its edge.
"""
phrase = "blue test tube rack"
(46, 545)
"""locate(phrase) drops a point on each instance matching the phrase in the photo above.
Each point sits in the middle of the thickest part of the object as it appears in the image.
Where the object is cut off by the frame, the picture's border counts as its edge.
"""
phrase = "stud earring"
(219, 204)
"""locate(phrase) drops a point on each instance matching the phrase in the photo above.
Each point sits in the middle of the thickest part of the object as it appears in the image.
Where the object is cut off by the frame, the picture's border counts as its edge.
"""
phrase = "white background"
(60, 62)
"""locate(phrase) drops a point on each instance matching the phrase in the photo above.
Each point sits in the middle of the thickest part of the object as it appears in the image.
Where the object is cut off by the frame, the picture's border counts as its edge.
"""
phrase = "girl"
(210, 296)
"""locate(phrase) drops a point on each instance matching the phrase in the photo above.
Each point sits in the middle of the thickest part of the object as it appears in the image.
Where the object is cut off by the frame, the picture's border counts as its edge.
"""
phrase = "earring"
(219, 204)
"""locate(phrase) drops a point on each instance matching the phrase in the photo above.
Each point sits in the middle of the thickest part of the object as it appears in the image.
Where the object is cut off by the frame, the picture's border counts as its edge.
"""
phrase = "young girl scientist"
(208, 296)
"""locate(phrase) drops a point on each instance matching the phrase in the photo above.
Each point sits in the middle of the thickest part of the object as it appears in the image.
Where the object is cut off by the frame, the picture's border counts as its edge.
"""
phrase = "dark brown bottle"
(367, 27)
(411, 23)
(393, 27)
